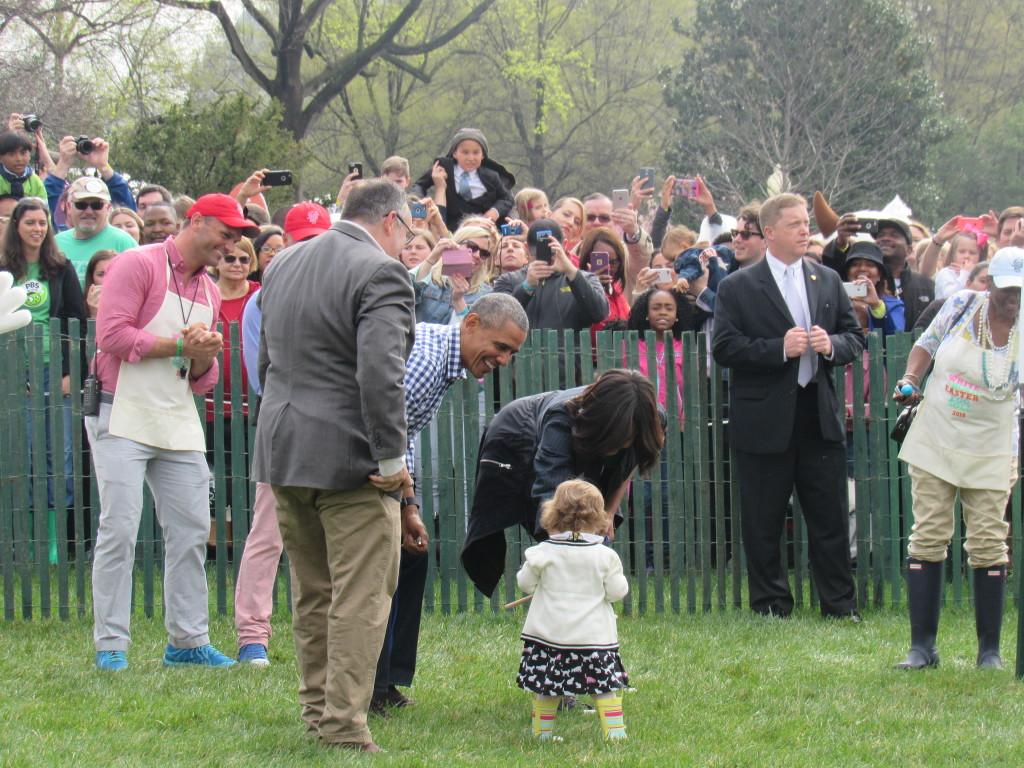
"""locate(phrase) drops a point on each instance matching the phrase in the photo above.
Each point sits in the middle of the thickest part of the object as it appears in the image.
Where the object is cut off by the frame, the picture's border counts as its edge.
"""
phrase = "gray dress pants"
(179, 482)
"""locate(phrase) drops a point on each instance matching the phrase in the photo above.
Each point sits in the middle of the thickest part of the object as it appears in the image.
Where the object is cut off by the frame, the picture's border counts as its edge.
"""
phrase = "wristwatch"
(408, 501)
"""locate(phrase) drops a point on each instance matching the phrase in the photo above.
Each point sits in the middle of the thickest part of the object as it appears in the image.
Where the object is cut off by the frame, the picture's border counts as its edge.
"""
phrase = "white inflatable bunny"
(11, 298)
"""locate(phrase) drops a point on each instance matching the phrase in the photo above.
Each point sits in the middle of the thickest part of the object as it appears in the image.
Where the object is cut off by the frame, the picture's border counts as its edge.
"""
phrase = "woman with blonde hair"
(444, 299)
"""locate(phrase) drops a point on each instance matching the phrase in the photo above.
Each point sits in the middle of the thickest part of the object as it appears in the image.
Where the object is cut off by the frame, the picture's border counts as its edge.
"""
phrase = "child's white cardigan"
(573, 583)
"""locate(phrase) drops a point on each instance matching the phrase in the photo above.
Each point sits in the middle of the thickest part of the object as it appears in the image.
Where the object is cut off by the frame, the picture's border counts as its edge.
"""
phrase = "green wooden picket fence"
(680, 543)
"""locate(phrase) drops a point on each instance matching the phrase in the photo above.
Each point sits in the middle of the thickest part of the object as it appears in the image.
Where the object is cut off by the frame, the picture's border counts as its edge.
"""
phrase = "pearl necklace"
(1000, 382)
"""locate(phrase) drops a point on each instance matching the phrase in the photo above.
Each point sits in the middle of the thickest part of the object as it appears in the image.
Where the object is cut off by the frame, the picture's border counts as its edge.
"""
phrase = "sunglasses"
(96, 205)
(604, 218)
(484, 253)
(745, 234)
(233, 259)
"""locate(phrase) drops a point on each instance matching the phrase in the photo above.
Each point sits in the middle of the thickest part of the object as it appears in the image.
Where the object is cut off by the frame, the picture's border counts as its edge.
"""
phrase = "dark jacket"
(558, 303)
(67, 303)
(497, 195)
(751, 319)
(525, 453)
(916, 290)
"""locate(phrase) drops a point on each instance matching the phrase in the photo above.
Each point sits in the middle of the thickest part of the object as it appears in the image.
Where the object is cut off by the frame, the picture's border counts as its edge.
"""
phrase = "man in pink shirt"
(155, 352)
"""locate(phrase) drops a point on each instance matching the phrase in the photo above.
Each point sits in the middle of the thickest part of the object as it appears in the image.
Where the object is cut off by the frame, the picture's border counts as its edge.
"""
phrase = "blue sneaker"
(203, 656)
(111, 661)
(255, 654)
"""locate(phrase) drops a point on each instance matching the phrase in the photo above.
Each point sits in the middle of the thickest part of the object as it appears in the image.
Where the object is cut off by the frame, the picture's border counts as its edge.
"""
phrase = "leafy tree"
(198, 147)
(341, 45)
(834, 94)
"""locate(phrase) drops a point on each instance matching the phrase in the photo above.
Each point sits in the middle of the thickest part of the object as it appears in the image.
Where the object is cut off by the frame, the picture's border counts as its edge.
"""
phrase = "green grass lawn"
(722, 690)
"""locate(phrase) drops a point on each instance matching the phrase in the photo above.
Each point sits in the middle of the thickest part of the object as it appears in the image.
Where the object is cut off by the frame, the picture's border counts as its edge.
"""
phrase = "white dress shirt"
(476, 187)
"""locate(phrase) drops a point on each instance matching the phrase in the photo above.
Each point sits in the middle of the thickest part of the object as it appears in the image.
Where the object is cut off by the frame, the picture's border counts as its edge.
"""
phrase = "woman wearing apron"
(964, 439)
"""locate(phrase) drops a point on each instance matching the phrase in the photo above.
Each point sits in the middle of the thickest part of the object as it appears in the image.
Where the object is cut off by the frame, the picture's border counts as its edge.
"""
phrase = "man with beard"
(89, 216)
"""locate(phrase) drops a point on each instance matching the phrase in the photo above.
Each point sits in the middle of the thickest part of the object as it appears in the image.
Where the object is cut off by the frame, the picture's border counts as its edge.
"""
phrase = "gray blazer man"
(338, 317)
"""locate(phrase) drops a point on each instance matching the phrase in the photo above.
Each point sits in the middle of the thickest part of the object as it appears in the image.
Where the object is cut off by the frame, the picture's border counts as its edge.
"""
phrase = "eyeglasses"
(271, 250)
(240, 259)
(745, 234)
(410, 235)
(484, 253)
(96, 205)
(604, 218)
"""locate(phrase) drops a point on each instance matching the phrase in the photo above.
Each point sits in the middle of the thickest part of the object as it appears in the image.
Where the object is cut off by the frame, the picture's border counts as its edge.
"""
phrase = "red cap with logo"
(226, 210)
(306, 220)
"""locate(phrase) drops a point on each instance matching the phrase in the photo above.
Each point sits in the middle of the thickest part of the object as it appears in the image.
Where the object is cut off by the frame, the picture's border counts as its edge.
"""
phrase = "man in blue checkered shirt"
(486, 338)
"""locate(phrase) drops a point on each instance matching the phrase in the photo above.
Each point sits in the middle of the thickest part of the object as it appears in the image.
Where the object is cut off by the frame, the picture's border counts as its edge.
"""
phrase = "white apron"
(153, 405)
(961, 433)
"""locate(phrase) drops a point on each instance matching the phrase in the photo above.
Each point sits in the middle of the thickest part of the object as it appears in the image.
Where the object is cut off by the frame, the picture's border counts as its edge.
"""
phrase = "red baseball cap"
(305, 220)
(226, 210)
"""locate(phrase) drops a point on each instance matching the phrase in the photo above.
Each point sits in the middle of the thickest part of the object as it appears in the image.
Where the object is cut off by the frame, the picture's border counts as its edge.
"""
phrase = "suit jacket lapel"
(813, 290)
(771, 290)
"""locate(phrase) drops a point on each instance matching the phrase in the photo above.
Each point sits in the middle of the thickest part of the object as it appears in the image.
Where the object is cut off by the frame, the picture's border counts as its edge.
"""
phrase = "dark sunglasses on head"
(233, 259)
(604, 218)
(96, 205)
(484, 253)
(745, 234)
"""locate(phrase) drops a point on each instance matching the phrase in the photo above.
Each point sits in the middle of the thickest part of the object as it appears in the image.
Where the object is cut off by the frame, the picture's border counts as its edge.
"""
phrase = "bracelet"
(179, 347)
(914, 376)
(462, 312)
(937, 243)
(527, 287)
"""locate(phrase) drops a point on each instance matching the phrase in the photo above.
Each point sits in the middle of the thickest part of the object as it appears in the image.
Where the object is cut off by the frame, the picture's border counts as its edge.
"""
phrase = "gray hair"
(372, 200)
(497, 309)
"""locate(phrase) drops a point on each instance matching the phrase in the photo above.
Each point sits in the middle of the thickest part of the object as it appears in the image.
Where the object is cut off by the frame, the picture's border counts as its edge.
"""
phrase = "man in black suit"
(780, 327)
(467, 181)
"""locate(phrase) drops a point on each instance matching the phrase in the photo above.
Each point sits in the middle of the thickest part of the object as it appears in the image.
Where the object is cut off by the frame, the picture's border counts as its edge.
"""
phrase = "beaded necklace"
(999, 383)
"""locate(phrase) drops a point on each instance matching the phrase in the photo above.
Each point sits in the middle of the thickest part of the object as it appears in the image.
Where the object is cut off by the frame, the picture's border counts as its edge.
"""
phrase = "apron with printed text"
(153, 405)
(962, 433)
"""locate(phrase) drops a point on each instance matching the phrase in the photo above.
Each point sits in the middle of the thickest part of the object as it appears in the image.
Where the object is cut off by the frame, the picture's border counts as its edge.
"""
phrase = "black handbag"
(902, 425)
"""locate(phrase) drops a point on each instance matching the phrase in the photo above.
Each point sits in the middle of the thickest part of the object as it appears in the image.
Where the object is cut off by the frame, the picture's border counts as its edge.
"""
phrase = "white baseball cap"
(1006, 270)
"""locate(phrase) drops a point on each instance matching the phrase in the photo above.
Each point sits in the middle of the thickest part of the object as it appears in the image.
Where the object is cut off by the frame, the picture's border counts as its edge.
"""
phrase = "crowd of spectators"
(602, 260)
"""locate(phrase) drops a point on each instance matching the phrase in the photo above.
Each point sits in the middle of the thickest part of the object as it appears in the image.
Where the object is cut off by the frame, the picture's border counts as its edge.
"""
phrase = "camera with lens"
(84, 145)
(32, 123)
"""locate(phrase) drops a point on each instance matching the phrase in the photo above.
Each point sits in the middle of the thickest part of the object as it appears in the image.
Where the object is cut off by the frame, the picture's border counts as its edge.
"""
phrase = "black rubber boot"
(924, 598)
(989, 596)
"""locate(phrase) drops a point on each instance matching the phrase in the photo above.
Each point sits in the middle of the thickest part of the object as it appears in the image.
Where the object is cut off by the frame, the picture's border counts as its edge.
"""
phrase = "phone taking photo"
(357, 168)
(600, 261)
(688, 188)
(418, 210)
(620, 198)
(543, 247)
(647, 178)
(856, 290)
(457, 261)
(664, 275)
(277, 178)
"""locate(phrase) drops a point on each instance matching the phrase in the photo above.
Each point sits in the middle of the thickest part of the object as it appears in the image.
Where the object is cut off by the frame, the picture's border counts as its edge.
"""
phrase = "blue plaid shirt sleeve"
(433, 366)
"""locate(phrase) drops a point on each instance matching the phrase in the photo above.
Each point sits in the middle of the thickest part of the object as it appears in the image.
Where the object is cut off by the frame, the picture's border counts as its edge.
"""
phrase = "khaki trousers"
(343, 547)
(984, 513)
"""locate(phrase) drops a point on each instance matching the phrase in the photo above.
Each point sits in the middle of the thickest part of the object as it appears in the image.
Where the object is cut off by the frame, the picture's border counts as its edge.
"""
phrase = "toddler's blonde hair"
(577, 507)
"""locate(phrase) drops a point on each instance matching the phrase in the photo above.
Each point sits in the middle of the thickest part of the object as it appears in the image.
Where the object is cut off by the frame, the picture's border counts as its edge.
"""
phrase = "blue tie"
(796, 309)
(464, 191)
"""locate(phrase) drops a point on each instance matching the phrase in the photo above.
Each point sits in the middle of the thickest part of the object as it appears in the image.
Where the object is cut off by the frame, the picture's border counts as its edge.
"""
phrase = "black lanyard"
(181, 305)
